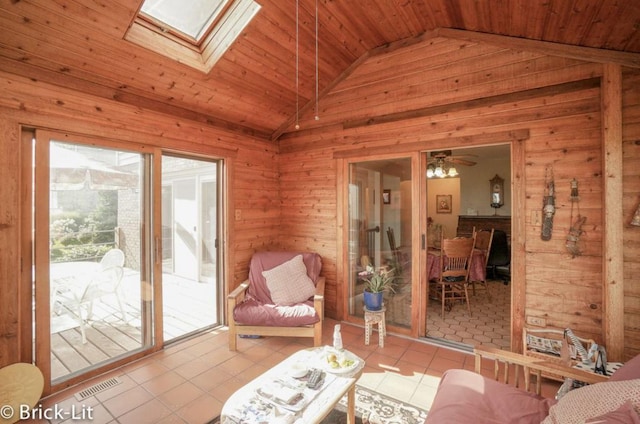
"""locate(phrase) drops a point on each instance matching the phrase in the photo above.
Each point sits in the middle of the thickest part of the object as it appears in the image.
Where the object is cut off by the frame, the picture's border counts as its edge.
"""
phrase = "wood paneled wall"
(252, 180)
(630, 202)
(444, 94)
(438, 94)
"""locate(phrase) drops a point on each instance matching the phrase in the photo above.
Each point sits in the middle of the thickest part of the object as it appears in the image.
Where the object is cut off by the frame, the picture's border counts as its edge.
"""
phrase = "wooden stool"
(371, 318)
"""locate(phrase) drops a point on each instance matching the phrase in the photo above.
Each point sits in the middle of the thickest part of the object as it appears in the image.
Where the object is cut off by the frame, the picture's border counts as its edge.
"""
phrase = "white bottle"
(337, 337)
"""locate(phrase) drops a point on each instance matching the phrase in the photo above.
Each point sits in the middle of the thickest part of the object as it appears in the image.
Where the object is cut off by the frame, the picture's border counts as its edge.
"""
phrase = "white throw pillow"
(289, 283)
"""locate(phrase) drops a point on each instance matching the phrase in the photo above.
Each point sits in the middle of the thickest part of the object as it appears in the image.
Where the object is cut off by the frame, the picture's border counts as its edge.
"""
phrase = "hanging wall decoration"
(575, 229)
(548, 204)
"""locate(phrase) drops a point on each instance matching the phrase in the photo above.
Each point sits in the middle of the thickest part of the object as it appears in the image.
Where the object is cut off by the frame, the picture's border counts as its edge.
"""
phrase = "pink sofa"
(467, 397)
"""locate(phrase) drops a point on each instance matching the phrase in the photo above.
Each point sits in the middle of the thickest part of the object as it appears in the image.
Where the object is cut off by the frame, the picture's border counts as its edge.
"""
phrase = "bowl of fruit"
(339, 361)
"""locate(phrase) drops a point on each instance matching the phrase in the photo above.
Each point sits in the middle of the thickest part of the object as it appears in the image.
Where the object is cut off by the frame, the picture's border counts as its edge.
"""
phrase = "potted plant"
(376, 282)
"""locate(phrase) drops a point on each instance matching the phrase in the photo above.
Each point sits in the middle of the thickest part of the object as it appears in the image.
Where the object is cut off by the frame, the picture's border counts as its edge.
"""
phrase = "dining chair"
(455, 259)
(484, 239)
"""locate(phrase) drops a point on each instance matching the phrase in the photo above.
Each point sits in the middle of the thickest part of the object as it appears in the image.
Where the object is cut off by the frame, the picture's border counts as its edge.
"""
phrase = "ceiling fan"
(442, 164)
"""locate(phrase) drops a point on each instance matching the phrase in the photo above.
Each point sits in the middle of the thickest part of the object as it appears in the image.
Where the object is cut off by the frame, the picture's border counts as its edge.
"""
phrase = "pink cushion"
(623, 415)
(289, 283)
(263, 261)
(466, 397)
(629, 371)
(251, 312)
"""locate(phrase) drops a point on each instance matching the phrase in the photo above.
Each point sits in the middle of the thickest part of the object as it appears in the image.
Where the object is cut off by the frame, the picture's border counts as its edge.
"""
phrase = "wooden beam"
(384, 49)
(588, 54)
(518, 244)
(475, 103)
(310, 104)
(613, 248)
(470, 140)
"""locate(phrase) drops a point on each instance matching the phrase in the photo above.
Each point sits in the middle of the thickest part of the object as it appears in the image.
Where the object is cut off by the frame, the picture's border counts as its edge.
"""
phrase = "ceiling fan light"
(430, 171)
(452, 172)
(439, 172)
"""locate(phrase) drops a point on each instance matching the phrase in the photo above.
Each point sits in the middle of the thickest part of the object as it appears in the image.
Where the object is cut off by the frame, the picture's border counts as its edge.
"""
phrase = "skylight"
(192, 18)
(195, 32)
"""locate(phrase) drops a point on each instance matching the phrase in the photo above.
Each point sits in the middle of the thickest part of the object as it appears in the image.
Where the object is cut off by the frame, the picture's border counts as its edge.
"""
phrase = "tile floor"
(489, 323)
(189, 382)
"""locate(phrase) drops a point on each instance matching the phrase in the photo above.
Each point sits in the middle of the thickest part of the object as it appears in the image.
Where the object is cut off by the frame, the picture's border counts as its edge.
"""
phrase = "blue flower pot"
(373, 301)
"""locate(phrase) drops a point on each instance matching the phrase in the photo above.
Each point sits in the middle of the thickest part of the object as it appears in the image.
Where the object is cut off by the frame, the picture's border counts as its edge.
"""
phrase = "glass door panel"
(380, 233)
(190, 290)
(88, 218)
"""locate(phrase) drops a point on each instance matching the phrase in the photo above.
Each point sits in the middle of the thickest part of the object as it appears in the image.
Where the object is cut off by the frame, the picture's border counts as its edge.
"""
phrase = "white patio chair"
(114, 257)
(105, 282)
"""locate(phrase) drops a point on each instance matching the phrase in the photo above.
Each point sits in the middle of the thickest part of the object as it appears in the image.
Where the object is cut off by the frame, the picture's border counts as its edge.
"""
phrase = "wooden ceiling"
(252, 89)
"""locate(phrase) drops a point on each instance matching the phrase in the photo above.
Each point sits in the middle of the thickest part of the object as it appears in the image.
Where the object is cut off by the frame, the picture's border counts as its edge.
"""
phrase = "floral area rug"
(376, 408)
(373, 408)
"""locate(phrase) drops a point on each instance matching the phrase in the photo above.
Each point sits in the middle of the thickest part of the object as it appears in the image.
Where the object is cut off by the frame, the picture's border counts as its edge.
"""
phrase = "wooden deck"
(188, 308)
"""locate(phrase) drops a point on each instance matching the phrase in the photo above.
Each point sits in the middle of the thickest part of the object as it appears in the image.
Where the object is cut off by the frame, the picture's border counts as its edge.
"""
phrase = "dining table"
(477, 270)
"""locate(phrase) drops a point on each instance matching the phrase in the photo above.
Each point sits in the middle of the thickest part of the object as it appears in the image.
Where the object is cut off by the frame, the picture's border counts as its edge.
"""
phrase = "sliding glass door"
(190, 289)
(380, 228)
(91, 306)
(116, 273)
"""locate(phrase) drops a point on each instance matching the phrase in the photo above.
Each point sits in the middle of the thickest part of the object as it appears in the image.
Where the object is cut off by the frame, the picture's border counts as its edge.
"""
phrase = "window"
(196, 33)
(192, 21)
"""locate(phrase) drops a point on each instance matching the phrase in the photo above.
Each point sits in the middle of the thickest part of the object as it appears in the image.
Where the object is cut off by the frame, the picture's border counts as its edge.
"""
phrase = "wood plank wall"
(630, 202)
(253, 180)
(287, 199)
(440, 90)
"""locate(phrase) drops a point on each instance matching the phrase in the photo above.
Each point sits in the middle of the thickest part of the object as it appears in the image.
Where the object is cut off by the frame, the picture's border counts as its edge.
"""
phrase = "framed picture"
(386, 197)
(443, 203)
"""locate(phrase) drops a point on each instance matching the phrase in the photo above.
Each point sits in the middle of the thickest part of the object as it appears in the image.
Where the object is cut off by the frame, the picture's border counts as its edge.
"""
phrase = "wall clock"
(496, 185)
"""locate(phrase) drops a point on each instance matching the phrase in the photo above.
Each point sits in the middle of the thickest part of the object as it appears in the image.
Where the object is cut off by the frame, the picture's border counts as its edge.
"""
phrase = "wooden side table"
(371, 318)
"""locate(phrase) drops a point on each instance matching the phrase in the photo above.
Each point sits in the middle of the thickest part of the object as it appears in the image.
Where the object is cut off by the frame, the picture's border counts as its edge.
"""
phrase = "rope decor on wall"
(548, 204)
(575, 228)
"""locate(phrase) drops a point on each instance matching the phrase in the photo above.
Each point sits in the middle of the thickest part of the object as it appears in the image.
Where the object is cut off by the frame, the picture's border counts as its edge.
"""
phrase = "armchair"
(283, 296)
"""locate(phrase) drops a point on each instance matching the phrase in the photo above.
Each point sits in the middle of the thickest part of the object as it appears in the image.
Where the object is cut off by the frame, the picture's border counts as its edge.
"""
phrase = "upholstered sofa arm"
(530, 365)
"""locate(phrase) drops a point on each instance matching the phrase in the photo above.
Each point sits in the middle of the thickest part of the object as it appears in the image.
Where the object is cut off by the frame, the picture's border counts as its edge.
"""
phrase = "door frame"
(516, 138)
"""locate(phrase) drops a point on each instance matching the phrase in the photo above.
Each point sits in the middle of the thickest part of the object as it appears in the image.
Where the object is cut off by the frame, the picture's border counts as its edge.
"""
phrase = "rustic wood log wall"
(417, 98)
(253, 178)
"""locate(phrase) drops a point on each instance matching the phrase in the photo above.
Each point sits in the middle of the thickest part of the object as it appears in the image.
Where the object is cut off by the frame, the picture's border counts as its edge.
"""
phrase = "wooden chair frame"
(235, 329)
(508, 365)
(458, 252)
(484, 239)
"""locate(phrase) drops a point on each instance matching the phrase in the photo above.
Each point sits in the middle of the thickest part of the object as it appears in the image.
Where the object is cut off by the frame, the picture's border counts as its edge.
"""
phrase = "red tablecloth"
(477, 272)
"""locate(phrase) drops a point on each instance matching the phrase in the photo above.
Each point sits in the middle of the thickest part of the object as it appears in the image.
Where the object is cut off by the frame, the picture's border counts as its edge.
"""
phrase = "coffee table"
(248, 404)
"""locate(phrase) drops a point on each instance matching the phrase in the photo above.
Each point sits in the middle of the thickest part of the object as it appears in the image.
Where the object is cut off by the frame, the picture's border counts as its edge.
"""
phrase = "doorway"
(467, 193)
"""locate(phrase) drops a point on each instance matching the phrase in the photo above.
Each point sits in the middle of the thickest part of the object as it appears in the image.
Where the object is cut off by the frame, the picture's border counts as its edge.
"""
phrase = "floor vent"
(97, 388)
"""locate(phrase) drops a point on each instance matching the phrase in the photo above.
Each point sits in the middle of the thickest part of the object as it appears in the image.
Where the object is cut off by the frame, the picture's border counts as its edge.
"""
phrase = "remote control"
(315, 378)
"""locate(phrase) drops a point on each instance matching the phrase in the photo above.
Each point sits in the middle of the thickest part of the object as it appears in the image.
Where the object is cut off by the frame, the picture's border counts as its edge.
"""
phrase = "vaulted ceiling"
(252, 89)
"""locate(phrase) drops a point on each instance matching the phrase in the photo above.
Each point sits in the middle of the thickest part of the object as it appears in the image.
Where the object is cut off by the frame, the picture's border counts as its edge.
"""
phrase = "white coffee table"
(316, 404)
